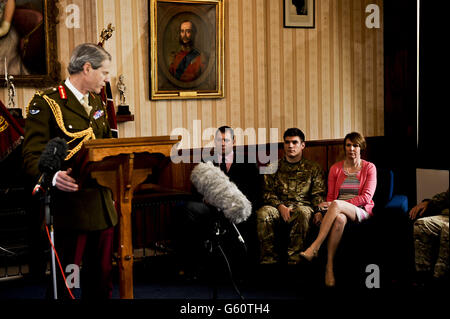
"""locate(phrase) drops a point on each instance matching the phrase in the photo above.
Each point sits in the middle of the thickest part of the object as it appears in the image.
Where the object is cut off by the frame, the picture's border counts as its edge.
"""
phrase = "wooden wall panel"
(324, 152)
(327, 81)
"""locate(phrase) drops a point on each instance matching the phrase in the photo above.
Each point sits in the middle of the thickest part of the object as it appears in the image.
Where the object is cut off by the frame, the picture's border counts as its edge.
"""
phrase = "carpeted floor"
(158, 278)
(283, 291)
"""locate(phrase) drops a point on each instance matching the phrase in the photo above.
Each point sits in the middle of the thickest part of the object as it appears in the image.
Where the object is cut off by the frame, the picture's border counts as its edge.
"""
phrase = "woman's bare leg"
(336, 207)
(334, 238)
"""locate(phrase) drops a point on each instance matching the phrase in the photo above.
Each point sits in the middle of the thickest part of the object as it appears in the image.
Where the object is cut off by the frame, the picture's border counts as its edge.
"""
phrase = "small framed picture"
(186, 49)
(299, 13)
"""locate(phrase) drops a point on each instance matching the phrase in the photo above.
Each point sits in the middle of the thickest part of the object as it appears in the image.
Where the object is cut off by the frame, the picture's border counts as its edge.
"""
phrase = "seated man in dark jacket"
(196, 218)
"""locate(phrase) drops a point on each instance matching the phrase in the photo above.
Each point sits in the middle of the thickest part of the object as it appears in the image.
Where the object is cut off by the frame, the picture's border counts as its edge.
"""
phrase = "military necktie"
(85, 103)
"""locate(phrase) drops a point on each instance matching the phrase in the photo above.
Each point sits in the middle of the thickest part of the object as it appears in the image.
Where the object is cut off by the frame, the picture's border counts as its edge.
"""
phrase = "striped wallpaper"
(327, 80)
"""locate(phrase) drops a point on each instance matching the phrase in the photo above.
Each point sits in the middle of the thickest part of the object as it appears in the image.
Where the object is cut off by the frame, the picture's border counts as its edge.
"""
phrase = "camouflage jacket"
(439, 204)
(301, 183)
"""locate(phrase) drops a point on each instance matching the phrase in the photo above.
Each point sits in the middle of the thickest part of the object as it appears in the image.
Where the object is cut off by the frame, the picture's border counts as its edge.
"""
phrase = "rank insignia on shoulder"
(62, 92)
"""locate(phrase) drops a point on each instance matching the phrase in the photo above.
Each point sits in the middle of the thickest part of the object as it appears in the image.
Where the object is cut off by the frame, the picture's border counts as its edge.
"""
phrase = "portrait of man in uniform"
(188, 63)
(187, 47)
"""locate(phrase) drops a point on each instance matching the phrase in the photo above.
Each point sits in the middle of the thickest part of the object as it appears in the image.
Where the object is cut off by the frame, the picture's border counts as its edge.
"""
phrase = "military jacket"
(92, 207)
(301, 183)
(439, 204)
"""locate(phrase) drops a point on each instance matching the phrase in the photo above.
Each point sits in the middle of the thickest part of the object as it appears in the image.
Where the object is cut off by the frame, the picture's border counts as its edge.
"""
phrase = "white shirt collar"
(228, 158)
(74, 90)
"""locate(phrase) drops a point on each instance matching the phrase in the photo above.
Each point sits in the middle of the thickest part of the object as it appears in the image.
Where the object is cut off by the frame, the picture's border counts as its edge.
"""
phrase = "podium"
(122, 164)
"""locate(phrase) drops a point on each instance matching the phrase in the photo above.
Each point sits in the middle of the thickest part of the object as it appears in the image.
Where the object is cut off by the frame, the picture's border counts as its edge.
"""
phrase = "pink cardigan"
(367, 177)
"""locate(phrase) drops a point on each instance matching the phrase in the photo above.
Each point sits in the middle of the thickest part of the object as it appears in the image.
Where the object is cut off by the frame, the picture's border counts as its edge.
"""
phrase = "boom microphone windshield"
(220, 192)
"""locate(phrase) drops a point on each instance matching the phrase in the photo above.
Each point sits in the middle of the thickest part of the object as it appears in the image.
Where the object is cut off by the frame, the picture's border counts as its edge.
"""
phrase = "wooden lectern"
(122, 164)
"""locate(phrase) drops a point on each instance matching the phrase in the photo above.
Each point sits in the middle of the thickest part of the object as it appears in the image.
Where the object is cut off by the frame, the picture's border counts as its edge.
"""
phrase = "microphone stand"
(214, 244)
(49, 223)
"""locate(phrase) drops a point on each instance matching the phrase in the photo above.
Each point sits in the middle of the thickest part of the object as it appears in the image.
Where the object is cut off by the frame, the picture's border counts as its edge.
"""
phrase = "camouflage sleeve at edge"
(269, 196)
(318, 190)
(439, 202)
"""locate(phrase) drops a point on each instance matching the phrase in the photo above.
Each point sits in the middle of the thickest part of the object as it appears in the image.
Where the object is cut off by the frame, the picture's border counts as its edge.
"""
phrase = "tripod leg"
(209, 245)
(230, 272)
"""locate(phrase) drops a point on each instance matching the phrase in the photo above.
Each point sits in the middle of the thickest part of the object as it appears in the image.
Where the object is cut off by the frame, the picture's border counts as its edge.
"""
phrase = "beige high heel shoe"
(330, 282)
(315, 253)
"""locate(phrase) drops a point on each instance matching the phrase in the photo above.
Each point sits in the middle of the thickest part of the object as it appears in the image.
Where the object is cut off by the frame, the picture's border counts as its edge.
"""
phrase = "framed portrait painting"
(299, 13)
(28, 49)
(186, 49)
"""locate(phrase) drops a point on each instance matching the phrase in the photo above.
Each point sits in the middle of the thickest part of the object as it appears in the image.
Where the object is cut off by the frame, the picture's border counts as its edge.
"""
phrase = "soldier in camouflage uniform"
(431, 235)
(291, 195)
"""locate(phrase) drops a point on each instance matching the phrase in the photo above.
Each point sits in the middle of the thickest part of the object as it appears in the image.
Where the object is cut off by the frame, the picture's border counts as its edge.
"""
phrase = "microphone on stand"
(221, 193)
(50, 162)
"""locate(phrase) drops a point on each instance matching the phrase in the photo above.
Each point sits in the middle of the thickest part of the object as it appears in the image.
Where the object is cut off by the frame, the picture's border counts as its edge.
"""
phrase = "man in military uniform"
(84, 215)
(431, 236)
(291, 195)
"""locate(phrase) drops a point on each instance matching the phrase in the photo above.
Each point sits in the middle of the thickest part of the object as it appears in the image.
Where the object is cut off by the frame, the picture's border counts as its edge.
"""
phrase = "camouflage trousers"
(268, 222)
(431, 245)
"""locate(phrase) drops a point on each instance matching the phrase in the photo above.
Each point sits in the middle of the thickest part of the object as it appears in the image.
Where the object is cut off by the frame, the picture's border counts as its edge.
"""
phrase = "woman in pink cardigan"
(351, 185)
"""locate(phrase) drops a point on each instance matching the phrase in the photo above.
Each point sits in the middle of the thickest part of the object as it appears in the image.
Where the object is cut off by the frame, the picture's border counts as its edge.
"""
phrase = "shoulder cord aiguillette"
(86, 134)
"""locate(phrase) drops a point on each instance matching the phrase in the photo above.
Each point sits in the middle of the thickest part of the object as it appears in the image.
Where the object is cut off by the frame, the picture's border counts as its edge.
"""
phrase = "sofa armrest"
(398, 201)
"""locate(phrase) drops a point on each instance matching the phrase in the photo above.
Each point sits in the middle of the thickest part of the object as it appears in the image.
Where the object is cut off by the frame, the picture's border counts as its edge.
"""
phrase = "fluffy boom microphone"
(50, 162)
(220, 192)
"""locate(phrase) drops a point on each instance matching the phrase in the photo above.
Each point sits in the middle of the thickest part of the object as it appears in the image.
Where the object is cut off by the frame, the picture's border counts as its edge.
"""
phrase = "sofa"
(383, 241)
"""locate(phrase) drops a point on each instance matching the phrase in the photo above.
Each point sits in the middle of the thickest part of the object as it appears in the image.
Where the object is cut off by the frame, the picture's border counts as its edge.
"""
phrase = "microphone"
(220, 192)
(50, 162)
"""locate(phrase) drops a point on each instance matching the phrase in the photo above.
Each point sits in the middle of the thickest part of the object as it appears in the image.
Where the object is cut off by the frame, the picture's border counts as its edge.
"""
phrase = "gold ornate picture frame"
(186, 49)
(30, 47)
